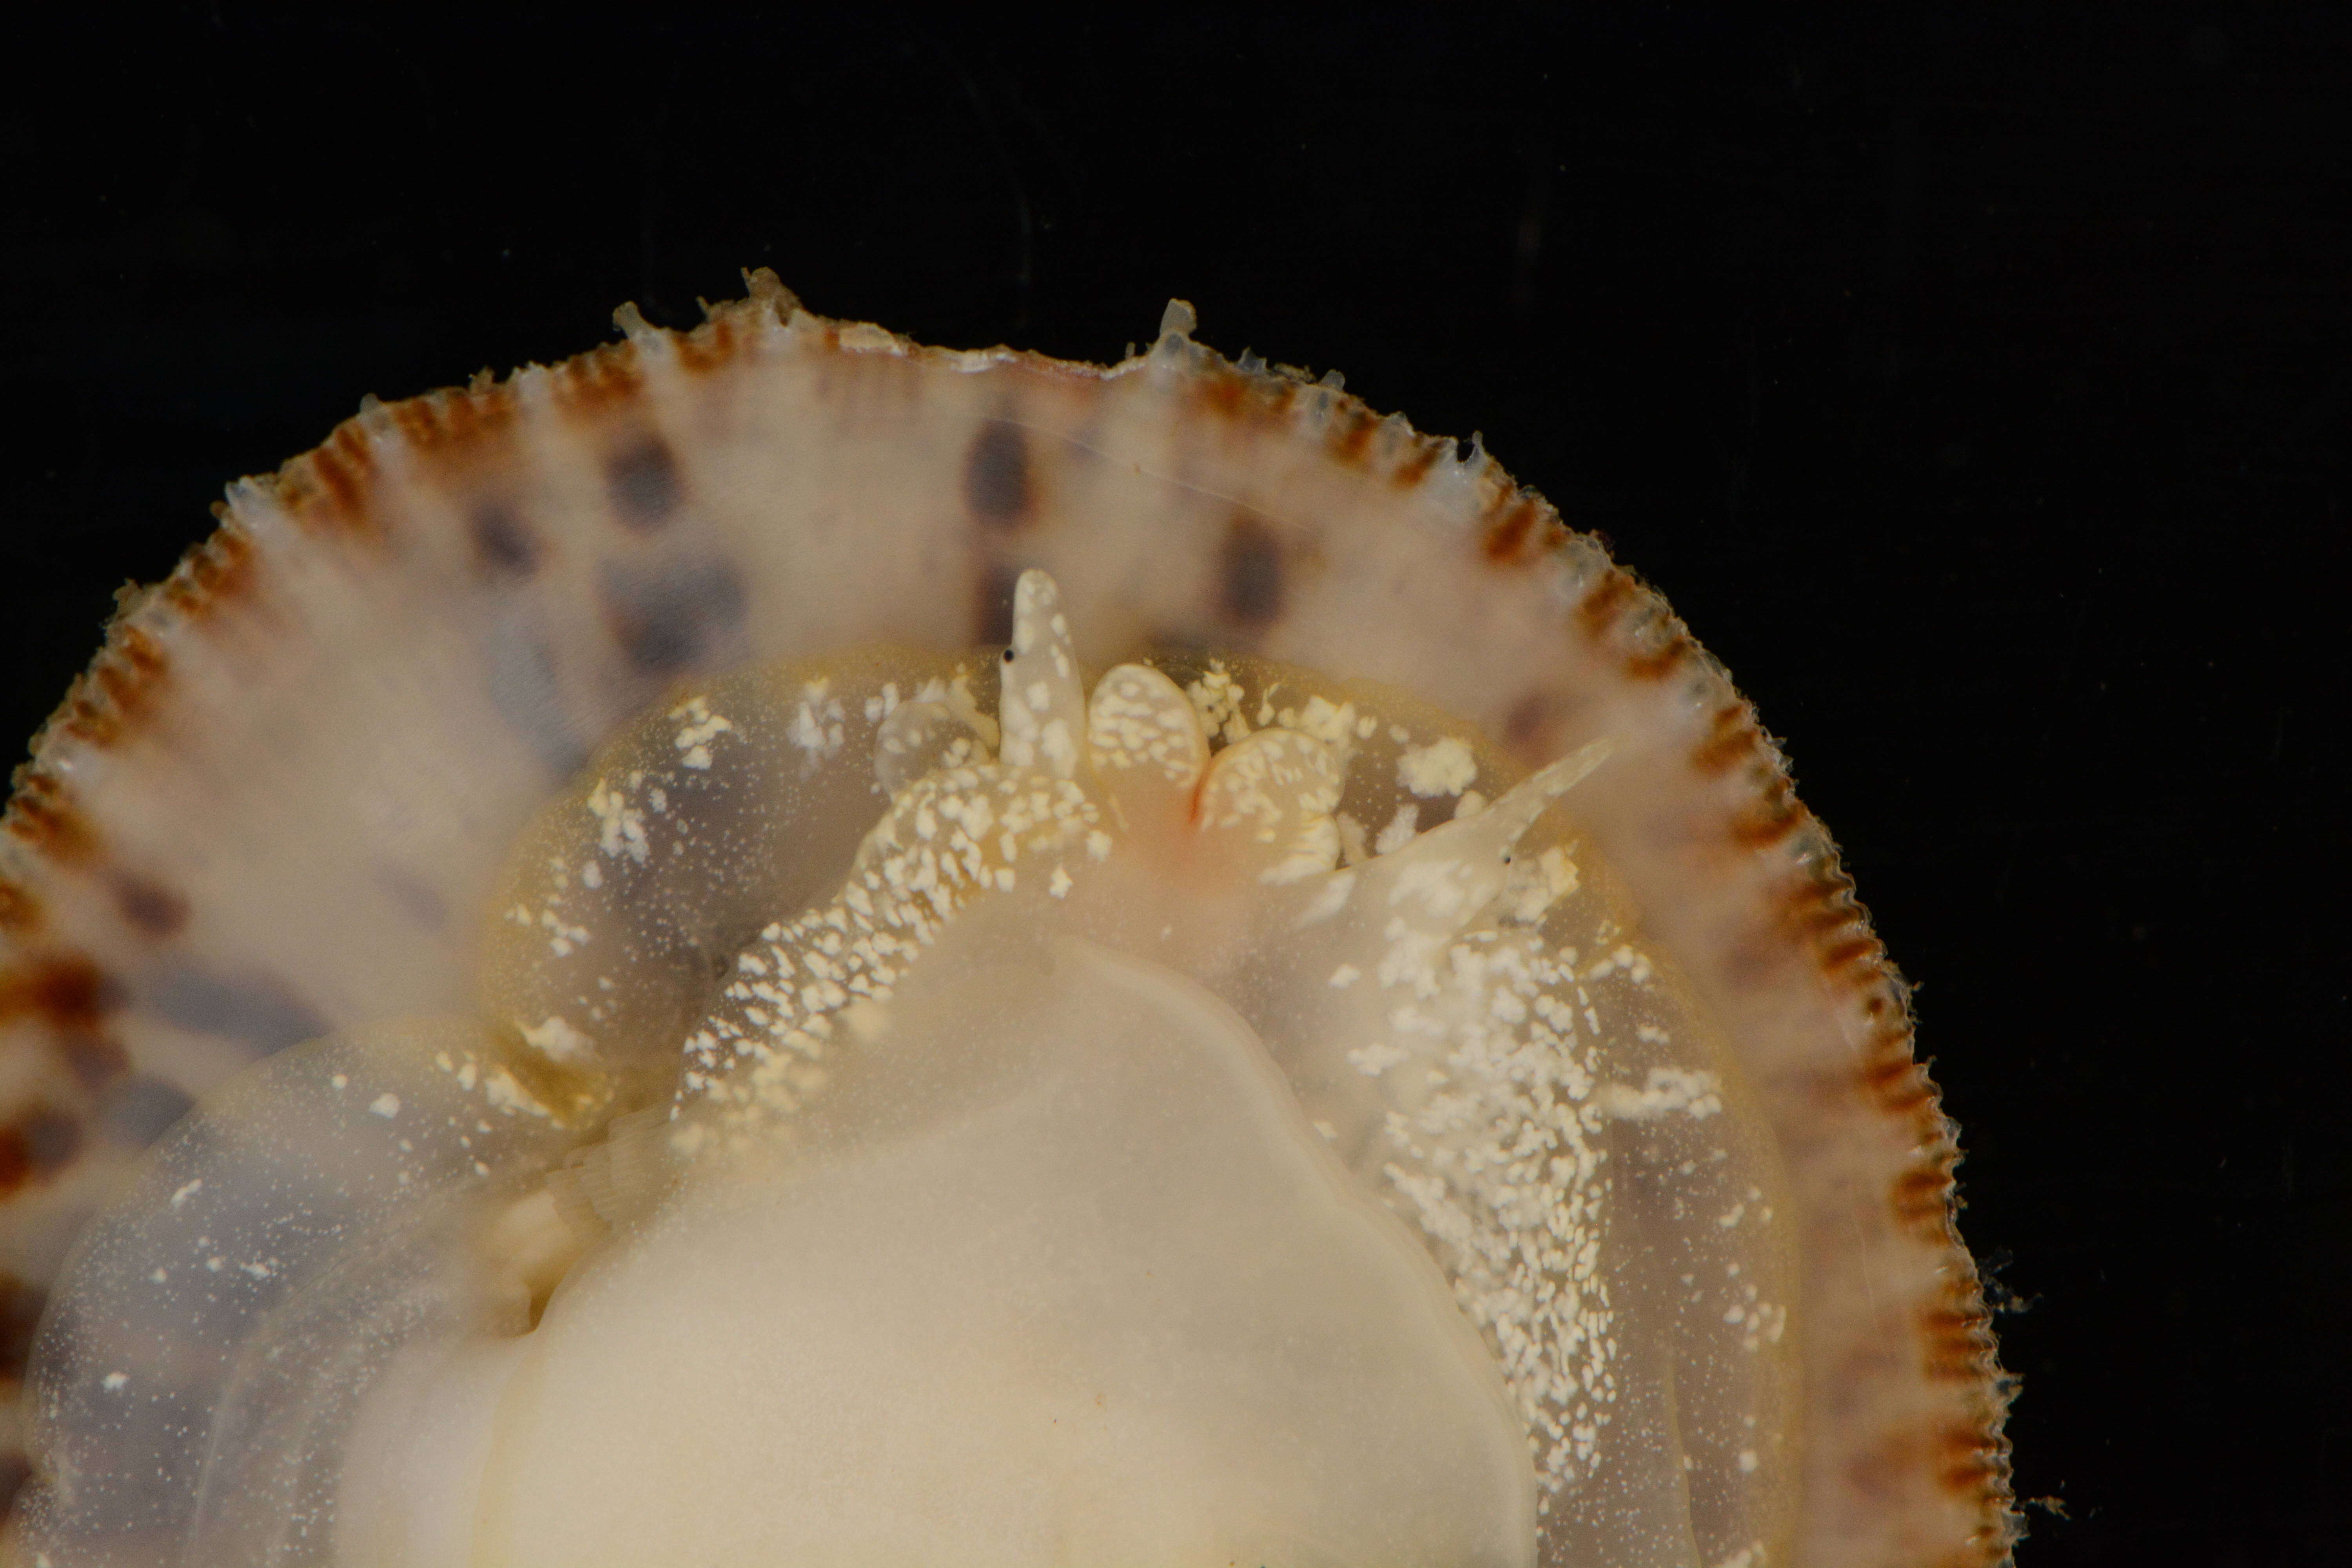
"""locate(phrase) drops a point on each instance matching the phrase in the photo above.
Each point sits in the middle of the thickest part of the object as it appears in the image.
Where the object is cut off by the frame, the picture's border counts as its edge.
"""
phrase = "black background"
(1976, 385)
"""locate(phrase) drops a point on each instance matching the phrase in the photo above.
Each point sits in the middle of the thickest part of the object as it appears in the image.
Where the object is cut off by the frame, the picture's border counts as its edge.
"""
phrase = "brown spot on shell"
(341, 468)
(1820, 912)
(1248, 391)
(1604, 602)
(328, 488)
(1504, 543)
(1970, 1466)
(710, 345)
(1771, 816)
(1922, 1196)
(43, 817)
(1894, 1081)
(1821, 906)
(998, 487)
(136, 1110)
(1658, 662)
(452, 421)
(20, 913)
(1348, 433)
(256, 1009)
(1417, 462)
(1957, 1332)
(1616, 609)
(1220, 390)
(16, 1470)
(93, 1059)
(1731, 738)
(643, 480)
(21, 1306)
(590, 382)
(71, 996)
(1250, 571)
(1526, 728)
(1836, 958)
(121, 689)
(1954, 1455)
(150, 908)
(36, 1145)
(666, 619)
(219, 571)
(504, 546)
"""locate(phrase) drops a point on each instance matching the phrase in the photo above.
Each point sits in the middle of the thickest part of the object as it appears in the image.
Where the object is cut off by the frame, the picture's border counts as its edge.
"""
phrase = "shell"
(271, 809)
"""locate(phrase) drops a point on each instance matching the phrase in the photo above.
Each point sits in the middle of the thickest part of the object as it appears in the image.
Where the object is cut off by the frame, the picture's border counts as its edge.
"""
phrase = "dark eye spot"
(996, 484)
(643, 481)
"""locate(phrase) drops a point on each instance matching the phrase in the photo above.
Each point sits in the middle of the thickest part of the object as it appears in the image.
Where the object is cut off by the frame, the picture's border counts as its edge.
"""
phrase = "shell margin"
(327, 489)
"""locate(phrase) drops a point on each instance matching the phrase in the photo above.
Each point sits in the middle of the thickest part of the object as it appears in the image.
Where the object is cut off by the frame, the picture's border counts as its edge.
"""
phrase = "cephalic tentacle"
(1441, 881)
(1043, 707)
(952, 835)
